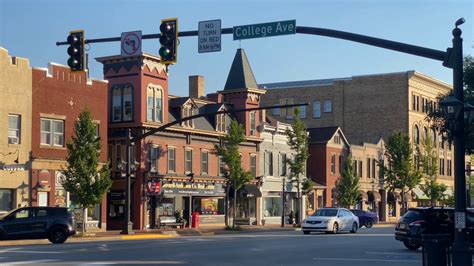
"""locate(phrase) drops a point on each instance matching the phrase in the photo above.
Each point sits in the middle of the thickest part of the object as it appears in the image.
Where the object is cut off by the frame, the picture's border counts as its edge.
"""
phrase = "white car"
(330, 220)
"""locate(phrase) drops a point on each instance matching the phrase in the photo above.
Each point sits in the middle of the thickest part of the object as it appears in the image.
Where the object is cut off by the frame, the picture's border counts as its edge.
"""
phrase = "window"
(337, 139)
(52, 132)
(425, 134)
(253, 165)
(252, 123)
(155, 104)
(373, 168)
(272, 207)
(359, 172)
(14, 129)
(441, 166)
(286, 112)
(22, 214)
(268, 163)
(333, 164)
(204, 162)
(282, 164)
(450, 169)
(118, 156)
(188, 161)
(368, 168)
(327, 107)
(302, 110)
(221, 166)
(433, 137)
(355, 168)
(187, 111)
(6, 200)
(416, 135)
(316, 109)
(122, 103)
(340, 164)
(276, 111)
(220, 122)
(171, 159)
(154, 151)
(413, 100)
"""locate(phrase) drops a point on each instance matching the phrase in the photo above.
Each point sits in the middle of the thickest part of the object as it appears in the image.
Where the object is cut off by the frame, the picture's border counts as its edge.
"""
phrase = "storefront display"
(166, 207)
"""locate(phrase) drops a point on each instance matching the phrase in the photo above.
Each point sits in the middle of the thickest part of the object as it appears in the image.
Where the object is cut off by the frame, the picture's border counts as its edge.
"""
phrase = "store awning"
(363, 195)
(392, 196)
(373, 196)
(419, 194)
(252, 191)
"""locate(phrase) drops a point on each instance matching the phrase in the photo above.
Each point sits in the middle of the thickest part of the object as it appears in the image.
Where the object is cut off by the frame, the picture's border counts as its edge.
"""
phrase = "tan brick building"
(15, 137)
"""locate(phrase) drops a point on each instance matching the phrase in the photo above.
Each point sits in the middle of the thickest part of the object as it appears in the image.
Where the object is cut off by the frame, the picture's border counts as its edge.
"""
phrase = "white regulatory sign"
(209, 39)
(131, 43)
(459, 220)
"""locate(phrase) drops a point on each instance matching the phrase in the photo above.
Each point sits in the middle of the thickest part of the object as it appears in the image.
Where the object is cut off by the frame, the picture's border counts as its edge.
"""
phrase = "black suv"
(433, 220)
(54, 223)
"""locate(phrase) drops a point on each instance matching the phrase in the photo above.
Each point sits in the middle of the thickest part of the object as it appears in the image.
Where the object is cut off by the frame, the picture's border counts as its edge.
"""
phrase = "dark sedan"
(367, 219)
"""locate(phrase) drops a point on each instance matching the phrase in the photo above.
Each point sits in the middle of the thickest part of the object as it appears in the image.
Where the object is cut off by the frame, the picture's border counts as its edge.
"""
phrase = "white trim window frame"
(14, 129)
(204, 162)
(188, 161)
(316, 109)
(52, 132)
(171, 159)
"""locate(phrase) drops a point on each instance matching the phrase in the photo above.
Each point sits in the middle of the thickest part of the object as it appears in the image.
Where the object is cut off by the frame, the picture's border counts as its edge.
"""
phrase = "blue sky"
(31, 28)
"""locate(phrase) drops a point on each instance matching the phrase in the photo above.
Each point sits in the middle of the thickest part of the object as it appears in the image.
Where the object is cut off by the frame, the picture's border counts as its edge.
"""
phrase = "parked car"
(54, 223)
(433, 220)
(331, 220)
(367, 219)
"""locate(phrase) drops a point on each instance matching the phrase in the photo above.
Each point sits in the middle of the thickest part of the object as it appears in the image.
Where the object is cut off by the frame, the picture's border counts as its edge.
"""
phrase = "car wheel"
(354, 228)
(411, 245)
(335, 228)
(306, 232)
(58, 235)
(369, 223)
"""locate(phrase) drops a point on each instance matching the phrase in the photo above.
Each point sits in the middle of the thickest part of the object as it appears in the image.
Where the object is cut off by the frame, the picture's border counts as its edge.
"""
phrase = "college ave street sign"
(265, 30)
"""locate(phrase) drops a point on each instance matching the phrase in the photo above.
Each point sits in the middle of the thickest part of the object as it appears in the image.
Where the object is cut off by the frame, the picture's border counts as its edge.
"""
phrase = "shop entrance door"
(152, 211)
(187, 210)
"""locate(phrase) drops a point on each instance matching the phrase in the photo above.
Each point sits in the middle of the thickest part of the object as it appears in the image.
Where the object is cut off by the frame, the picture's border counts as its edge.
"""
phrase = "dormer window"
(187, 111)
(155, 104)
(220, 123)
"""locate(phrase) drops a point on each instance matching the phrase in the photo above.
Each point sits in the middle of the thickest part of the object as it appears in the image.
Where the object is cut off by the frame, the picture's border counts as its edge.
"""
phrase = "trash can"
(195, 219)
(436, 249)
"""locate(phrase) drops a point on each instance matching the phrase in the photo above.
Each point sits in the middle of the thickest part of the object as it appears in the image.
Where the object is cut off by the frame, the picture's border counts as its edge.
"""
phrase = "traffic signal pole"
(451, 58)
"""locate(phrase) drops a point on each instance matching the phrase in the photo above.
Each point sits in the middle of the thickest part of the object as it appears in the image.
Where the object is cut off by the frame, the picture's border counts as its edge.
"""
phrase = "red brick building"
(179, 159)
(59, 95)
(327, 148)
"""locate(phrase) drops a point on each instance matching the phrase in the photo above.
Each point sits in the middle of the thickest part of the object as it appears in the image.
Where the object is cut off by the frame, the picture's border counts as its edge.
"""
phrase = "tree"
(401, 173)
(347, 186)
(429, 164)
(297, 139)
(229, 151)
(82, 177)
(437, 117)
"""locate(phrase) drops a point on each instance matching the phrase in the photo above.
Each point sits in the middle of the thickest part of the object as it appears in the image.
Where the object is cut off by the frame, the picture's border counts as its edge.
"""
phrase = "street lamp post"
(283, 203)
(383, 210)
(128, 227)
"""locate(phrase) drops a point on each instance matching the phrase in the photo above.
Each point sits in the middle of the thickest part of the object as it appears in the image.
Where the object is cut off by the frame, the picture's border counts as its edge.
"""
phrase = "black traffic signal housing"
(76, 41)
(169, 41)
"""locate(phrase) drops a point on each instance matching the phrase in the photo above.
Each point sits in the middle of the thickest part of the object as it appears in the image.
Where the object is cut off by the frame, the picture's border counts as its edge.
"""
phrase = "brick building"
(15, 137)
(59, 95)
(179, 159)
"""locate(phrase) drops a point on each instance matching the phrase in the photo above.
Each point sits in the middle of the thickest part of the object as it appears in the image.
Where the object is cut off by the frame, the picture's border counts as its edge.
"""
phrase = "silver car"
(330, 220)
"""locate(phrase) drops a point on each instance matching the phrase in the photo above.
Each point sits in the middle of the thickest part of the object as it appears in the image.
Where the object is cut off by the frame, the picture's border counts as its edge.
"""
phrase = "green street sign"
(265, 30)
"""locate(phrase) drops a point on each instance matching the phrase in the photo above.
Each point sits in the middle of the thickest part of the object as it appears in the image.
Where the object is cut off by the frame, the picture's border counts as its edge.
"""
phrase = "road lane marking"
(367, 260)
(33, 252)
(29, 262)
(393, 253)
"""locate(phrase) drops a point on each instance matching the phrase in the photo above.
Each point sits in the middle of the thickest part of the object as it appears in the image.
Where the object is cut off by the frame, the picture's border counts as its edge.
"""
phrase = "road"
(375, 246)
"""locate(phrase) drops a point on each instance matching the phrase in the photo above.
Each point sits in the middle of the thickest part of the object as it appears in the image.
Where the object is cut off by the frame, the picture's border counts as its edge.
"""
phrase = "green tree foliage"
(437, 117)
(229, 151)
(297, 140)
(429, 163)
(401, 173)
(83, 177)
(347, 186)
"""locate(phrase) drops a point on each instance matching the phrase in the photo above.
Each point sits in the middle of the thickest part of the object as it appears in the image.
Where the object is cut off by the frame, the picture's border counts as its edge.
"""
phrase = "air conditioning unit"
(13, 140)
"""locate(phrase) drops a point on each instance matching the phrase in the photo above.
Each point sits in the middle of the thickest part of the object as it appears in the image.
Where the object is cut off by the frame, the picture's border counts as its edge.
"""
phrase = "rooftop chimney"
(196, 86)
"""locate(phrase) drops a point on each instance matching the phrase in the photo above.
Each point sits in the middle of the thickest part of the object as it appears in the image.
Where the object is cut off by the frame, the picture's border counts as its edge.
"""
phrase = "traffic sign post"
(131, 43)
(265, 30)
(209, 36)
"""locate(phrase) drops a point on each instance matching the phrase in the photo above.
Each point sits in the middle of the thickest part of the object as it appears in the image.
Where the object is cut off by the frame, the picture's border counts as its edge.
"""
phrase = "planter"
(263, 222)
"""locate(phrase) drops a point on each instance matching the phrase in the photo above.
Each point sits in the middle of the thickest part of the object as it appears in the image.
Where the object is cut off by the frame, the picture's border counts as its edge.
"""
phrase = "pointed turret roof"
(240, 74)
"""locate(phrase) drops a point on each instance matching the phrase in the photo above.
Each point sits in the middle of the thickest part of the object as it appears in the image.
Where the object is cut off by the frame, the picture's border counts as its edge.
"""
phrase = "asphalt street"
(375, 246)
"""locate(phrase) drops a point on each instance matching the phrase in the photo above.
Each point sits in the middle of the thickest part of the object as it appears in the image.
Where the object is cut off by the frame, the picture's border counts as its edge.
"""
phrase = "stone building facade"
(15, 137)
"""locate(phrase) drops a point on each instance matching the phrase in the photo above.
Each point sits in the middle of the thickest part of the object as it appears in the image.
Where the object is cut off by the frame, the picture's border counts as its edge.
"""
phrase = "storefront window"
(166, 207)
(209, 206)
(116, 208)
(6, 200)
(272, 207)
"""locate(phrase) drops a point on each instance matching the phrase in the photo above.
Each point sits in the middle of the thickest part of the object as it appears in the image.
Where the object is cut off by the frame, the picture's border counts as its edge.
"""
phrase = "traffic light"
(169, 40)
(76, 53)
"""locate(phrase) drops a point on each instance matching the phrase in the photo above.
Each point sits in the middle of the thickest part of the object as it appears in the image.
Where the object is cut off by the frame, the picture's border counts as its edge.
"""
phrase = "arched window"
(425, 134)
(154, 103)
(416, 135)
(433, 137)
(122, 103)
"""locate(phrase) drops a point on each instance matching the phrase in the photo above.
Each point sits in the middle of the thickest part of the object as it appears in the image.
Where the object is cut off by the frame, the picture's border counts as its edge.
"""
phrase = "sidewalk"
(154, 234)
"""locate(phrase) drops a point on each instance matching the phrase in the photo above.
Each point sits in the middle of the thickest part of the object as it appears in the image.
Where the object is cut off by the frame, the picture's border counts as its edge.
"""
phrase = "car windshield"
(325, 212)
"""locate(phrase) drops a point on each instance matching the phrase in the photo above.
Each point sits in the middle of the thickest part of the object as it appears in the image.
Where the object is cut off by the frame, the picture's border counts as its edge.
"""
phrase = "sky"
(31, 28)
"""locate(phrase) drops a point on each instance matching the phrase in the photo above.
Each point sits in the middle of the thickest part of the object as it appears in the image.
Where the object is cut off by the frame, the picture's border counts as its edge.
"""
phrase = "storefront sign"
(199, 189)
(13, 167)
(153, 187)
